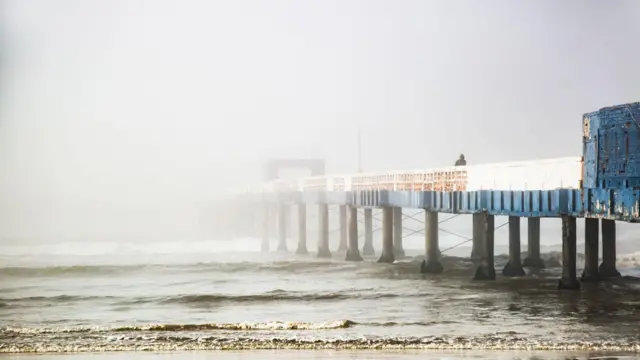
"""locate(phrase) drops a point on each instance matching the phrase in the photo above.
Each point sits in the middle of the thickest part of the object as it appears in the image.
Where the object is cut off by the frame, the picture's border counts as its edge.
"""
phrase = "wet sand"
(339, 355)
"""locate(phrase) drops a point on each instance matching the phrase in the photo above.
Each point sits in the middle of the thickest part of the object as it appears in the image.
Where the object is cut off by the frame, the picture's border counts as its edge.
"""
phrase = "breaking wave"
(178, 342)
(277, 325)
(244, 326)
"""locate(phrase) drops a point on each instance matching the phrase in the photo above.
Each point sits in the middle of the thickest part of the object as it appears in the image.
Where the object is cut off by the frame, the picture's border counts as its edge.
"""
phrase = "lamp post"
(359, 151)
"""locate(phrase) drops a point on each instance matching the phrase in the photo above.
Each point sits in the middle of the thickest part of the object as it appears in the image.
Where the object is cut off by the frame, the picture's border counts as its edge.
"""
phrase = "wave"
(552, 259)
(162, 342)
(272, 296)
(52, 299)
(202, 299)
(80, 270)
(277, 325)
(244, 326)
(230, 267)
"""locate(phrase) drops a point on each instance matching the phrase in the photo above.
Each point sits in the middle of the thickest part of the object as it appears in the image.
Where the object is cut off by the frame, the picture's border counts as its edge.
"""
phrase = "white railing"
(547, 174)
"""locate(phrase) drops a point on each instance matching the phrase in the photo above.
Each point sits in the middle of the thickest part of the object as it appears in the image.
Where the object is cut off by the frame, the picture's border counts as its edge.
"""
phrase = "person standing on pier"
(461, 161)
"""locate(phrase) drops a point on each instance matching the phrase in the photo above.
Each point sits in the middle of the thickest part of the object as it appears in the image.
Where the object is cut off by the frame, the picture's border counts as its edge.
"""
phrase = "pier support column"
(368, 233)
(432, 264)
(569, 281)
(323, 226)
(398, 249)
(343, 228)
(387, 236)
(282, 228)
(476, 240)
(533, 259)
(486, 269)
(608, 267)
(353, 253)
(266, 228)
(514, 266)
(591, 234)
(302, 230)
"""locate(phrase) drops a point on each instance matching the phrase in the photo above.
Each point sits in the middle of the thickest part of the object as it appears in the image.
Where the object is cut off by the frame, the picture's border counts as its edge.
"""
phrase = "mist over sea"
(204, 295)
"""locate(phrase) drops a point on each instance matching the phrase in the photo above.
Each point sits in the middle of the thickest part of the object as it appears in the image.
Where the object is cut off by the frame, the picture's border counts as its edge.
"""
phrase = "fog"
(123, 120)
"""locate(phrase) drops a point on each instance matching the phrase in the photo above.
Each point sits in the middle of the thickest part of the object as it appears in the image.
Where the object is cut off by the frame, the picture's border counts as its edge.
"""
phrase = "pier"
(601, 186)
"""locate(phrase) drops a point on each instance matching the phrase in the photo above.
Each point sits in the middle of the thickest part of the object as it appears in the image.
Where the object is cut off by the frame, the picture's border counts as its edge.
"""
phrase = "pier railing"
(545, 174)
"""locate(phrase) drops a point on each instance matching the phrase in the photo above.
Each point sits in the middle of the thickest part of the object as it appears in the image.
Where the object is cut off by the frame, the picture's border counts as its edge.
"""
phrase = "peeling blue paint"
(611, 147)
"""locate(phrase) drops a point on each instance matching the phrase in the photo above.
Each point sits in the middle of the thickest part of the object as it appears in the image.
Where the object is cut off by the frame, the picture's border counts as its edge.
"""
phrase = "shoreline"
(490, 344)
(343, 354)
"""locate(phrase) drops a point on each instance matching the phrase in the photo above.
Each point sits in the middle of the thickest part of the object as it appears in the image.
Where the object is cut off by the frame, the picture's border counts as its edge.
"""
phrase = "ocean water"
(169, 298)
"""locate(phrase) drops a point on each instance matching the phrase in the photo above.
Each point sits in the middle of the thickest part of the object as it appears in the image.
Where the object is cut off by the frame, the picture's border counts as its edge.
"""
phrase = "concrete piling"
(476, 239)
(608, 267)
(343, 228)
(323, 226)
(282, 228)
(533, 259)
(266, 229)
(398, 249)
(591, 234)
(514, 266)
(353, 253)
(569, 281)
(302, 230)
(432, 263)
(485, 223)
(368, 233)
(387, 236)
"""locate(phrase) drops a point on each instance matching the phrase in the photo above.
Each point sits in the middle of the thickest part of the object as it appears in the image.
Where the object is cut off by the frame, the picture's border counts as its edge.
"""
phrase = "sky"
(123, 119)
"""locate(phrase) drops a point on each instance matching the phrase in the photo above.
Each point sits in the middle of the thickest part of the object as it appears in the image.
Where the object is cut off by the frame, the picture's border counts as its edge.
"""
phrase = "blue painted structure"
(610, 187)
(611, 162)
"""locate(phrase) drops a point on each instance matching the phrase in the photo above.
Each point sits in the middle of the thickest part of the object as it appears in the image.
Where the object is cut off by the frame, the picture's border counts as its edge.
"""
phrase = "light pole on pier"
(359, 151)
